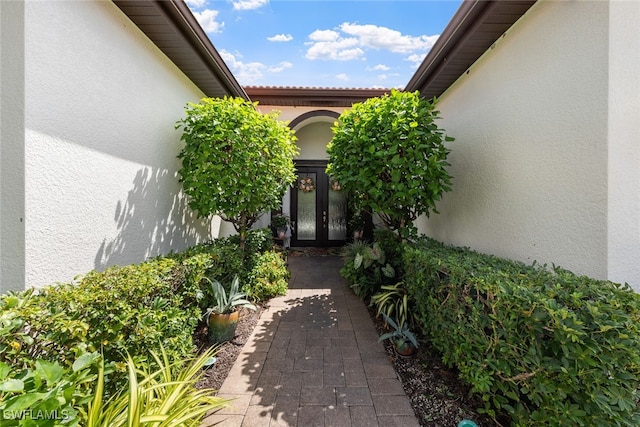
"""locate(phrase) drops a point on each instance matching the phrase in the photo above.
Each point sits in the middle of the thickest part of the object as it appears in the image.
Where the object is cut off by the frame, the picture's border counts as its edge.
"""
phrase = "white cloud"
(251, 72)
(246, 73)
(379, 67)
(342, 76)
(385, 38)
(280, 38)
(207, 20)
(195, 3)
(249, 4)
(338, 50)
(349, 44)
(280, 67)
(324, 36)
(416, 59)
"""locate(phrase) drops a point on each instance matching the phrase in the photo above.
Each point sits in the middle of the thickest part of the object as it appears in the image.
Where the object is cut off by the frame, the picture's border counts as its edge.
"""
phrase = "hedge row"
(129, 310)
(546, 346)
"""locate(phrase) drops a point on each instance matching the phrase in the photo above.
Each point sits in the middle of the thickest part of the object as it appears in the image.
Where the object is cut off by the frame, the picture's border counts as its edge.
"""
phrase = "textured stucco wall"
(101, 182)
(12, 254)
(624, 143)
(530, 157)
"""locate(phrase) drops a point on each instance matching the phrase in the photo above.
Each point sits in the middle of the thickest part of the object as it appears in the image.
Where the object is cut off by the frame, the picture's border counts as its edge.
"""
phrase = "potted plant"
(404, 341)
(222, 318)
(279, 224)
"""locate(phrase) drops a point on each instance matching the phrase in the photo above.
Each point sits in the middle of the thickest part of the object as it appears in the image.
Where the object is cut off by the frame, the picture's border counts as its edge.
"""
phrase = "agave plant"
(404, 341)
(228, 303)
(166, 397)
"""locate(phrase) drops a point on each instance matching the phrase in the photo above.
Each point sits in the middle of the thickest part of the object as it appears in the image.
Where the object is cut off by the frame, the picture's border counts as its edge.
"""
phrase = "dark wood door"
(318, 208)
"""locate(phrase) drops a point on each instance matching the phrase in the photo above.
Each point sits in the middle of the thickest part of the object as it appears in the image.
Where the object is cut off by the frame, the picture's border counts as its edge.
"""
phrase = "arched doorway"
(318, 207)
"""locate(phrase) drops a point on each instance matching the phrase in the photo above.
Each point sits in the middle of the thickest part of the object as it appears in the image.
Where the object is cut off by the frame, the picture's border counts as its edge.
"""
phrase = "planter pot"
(222, 327)
(404, 348)
(282, 232)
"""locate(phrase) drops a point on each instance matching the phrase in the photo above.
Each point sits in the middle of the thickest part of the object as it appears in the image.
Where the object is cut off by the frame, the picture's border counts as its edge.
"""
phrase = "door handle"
(324, 219)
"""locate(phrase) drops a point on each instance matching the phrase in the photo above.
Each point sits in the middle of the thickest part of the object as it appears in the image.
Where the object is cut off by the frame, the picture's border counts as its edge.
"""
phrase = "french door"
(318, 207)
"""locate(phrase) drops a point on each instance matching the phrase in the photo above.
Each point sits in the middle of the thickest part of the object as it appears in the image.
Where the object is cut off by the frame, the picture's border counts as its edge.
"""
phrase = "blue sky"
(328, 43)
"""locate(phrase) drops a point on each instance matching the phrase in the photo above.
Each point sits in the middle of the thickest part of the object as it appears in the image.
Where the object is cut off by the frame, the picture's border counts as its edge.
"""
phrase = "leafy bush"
(46, 394)
(392, 246)
(130, 309)
(268, 278)
(378, 149)
(548, 347)
(236, 161)
(365, 268)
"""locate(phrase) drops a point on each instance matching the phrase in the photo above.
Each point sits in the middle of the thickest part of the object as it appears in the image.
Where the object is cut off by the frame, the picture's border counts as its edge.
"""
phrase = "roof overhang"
(171, 26)
(471, 32)
(311, 97)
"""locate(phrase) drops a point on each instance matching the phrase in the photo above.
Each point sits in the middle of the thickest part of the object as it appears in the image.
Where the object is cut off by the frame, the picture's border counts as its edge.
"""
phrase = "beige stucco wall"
(101, 104)
(530, 160)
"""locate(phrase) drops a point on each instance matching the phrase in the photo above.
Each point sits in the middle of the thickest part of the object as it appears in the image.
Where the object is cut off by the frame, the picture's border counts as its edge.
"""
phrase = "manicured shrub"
(123, 310)
(236, 161)
(546, 346)
(268, 278)
(390, 156)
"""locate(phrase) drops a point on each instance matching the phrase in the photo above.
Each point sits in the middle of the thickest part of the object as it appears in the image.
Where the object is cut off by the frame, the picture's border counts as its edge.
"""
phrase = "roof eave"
(311, 96)
(437, 72)
(179, 19)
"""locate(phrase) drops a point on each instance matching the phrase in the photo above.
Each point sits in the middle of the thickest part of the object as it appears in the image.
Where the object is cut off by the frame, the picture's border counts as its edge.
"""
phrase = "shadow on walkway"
(314, 360)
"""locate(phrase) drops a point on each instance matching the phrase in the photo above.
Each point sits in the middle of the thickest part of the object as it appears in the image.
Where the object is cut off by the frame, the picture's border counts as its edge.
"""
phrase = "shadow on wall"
(154, 220)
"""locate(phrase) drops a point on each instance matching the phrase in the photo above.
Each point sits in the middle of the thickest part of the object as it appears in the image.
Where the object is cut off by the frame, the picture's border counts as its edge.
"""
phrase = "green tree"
(236, 162)
(390, 155)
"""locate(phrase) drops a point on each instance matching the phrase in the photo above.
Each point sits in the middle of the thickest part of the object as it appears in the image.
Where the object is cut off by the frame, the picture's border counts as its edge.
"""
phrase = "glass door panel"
(318, 209)
(337, 213)
(307, 207)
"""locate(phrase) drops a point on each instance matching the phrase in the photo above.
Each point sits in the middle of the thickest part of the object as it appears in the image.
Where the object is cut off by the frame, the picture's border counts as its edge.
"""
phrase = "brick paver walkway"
(314, 360)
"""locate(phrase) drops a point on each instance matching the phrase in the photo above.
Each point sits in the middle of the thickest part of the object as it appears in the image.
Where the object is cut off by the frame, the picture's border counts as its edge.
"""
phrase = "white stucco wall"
(624, 143)
(529, 163)
(101, 104)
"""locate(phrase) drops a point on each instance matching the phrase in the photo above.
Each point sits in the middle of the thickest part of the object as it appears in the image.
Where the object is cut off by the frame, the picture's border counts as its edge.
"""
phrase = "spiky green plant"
(166, 397)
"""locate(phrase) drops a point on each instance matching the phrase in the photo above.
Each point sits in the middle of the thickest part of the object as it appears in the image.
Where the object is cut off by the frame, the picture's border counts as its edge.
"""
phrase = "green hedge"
(129, 310)
(546, 346)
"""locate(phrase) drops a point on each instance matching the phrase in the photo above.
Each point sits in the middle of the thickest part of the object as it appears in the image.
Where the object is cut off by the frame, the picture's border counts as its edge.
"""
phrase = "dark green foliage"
(365, 268)
(268, 278)
(236, 161)
(548, 347)
(123, 309)
(36, 396)
(389, 155)
(392, 246)
(50, 338)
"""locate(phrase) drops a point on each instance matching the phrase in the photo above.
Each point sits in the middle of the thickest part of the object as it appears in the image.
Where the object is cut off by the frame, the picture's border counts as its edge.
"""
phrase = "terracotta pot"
(222, 327)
